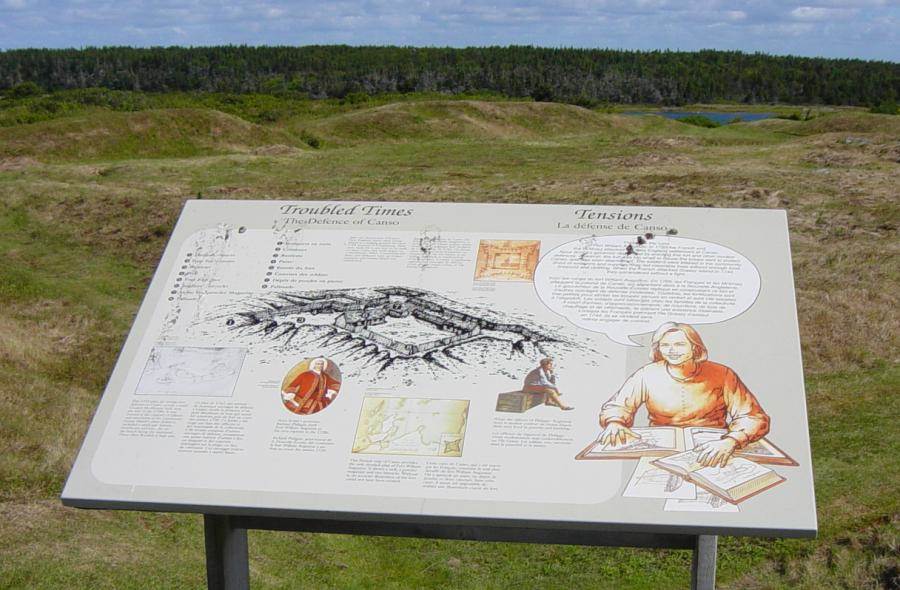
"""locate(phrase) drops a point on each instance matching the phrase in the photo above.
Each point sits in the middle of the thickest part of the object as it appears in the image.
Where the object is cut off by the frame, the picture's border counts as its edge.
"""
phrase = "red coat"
(309, 390)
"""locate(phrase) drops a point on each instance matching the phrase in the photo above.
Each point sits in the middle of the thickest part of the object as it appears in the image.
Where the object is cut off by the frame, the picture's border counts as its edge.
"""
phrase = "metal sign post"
(227, 564)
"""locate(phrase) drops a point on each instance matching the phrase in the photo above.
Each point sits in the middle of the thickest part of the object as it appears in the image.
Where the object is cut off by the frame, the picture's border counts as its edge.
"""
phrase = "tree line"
(581, 76)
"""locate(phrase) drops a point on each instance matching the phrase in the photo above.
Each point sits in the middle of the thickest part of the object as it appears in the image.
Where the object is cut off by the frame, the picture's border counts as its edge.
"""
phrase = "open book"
(659, 441)
(734, 483)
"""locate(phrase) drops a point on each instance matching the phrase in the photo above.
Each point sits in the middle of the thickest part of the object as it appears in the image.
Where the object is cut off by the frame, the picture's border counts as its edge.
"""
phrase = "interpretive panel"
(629, 368)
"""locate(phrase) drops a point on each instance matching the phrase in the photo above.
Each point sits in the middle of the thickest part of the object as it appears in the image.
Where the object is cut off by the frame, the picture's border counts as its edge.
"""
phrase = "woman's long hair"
(697, 346)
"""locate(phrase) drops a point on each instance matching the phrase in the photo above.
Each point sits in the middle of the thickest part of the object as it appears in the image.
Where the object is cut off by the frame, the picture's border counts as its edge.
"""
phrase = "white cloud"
(863, 27)
(820, 13)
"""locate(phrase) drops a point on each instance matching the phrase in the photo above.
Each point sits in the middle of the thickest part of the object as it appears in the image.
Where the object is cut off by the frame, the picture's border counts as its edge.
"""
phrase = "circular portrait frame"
(311, 386)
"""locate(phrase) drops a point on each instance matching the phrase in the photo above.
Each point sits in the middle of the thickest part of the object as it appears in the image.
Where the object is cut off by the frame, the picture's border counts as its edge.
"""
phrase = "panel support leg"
(227, 561)
(703, 566)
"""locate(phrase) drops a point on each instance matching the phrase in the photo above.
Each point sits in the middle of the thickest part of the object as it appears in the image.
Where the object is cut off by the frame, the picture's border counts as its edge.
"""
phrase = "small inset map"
(190, 370)
(507, 260)
(411, 426)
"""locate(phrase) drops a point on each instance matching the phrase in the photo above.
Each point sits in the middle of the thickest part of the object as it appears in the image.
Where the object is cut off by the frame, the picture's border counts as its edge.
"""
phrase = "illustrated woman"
(682, 388)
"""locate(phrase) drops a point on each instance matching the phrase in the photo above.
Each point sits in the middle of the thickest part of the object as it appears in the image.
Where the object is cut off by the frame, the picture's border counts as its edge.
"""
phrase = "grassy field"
(89, 192)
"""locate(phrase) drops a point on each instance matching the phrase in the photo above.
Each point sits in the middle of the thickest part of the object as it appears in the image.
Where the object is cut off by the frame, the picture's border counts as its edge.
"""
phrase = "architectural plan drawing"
(507, 260)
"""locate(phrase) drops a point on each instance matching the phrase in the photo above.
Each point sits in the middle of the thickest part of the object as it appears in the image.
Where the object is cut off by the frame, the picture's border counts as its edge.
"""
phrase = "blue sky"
(866, 29)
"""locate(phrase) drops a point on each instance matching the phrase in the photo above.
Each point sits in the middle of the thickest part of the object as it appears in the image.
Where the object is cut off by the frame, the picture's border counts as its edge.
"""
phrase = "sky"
(865, 29)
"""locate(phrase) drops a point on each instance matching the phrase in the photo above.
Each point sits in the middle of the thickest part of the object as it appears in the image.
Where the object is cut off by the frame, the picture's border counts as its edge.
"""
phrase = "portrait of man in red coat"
(313, 389)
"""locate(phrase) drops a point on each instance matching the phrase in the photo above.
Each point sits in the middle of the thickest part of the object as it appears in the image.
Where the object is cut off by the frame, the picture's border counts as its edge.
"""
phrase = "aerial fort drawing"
(382, 326)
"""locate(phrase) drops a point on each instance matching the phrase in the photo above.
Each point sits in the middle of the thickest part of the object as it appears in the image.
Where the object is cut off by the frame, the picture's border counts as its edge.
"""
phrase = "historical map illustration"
(411, 426)
(190, 370)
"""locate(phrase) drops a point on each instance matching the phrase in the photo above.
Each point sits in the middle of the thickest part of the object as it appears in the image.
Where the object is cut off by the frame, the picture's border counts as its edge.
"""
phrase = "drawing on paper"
(507, 260)
(411, 426)
(650, 440)
(761, 450)
(735, 481)
(704, 502)
(407, 322)
(310, 386)
(649, 481)
(397, 332)
(191, 370)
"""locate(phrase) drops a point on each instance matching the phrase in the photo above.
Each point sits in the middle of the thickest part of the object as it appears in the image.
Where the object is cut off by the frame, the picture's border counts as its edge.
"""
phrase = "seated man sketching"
(543, 380)
(682, 388)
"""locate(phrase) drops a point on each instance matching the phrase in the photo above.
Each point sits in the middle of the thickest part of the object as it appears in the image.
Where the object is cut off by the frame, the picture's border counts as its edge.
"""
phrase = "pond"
(718, 117)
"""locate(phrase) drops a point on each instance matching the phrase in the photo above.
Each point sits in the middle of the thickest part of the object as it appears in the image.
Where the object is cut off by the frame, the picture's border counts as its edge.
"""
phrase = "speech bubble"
(598, 285)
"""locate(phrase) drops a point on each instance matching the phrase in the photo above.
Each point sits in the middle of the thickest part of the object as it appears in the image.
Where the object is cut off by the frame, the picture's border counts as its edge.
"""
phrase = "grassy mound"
(469, 119)
(841, 122)
(164, 133)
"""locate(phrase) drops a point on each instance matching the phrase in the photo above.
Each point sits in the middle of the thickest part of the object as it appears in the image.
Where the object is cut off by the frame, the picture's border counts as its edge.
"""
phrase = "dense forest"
(588, 76)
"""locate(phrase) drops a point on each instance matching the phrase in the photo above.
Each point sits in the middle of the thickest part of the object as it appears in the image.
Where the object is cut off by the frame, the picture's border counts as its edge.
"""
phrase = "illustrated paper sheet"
(453, 360)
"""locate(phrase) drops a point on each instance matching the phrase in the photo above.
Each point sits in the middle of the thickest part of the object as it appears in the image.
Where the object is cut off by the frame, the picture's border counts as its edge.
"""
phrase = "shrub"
(268, 116)
(583, 101)
(543, 93)
(116, 100)
(24, 90)
(311, 140)
(699, 121)
(886, 107)
(355, 98)
(806, 115)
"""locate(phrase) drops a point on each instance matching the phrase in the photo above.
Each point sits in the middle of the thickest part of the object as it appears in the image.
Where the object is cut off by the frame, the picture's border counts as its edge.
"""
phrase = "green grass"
(254, 108)
(88, 196)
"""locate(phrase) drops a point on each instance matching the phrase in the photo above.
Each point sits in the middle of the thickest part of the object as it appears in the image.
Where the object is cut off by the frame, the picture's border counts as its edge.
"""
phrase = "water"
(718, 117)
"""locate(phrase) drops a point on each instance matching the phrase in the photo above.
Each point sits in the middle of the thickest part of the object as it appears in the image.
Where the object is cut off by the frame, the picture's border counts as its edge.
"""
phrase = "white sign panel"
(562, 365)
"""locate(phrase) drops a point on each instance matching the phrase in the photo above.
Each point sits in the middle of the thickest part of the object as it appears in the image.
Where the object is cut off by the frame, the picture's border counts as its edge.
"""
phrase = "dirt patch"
(92, 170)
(17, 163)
(491, 128)
(87, 134)
(24, 517)
(60, 332)
(769, 197)
(277, 149)
(664, 142)
(836, 158)
(650, 159)
(889, 152)
(230, 190)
